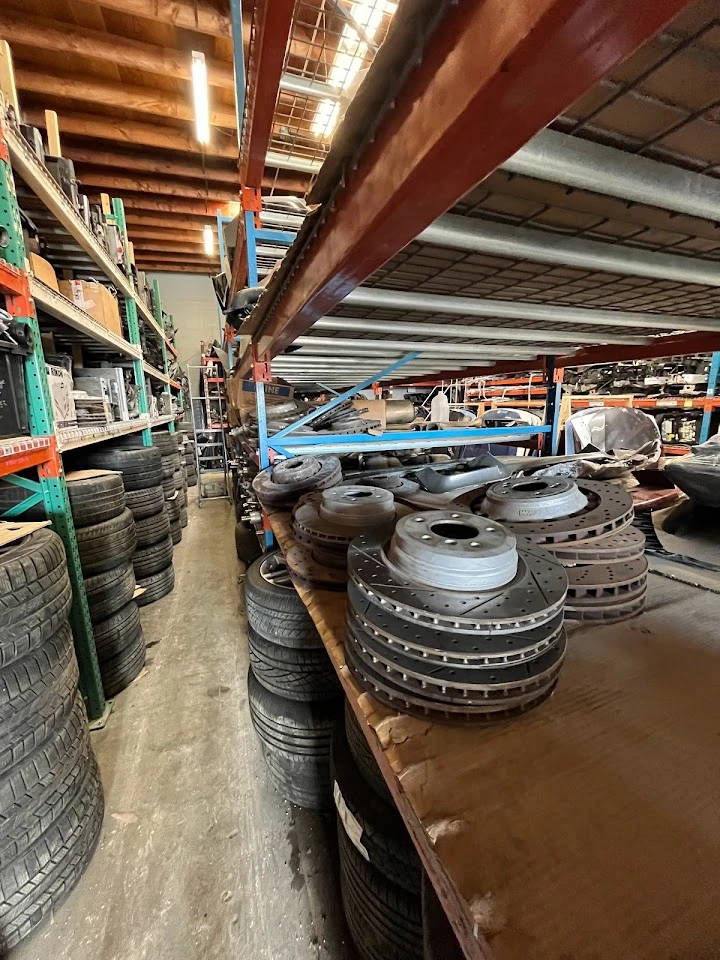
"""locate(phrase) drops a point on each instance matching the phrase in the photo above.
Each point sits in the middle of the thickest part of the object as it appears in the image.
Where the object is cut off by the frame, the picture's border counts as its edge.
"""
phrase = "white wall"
(191, 301)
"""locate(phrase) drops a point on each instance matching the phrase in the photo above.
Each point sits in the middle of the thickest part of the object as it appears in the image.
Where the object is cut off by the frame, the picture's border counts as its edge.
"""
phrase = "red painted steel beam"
(681, 344)
(492, 75)
(272, 21)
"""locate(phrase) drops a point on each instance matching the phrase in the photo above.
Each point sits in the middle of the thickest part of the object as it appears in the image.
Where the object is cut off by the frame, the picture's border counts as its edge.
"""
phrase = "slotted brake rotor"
(282, 484)
(607, 509)
(454, 617)
(603, 552)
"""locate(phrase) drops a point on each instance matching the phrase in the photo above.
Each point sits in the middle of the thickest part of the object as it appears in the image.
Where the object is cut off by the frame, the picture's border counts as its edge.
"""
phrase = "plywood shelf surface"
(588, 828)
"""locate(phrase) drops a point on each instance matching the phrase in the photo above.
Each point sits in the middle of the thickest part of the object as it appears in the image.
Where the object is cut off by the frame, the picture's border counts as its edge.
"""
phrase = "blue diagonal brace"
(341, 397)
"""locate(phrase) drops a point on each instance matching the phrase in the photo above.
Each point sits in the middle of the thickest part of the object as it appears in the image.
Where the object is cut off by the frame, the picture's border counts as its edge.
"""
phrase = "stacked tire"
(190, 463)
(380, 872)
(142, 472)
(293, 691)
(106, 537)
(51, 801)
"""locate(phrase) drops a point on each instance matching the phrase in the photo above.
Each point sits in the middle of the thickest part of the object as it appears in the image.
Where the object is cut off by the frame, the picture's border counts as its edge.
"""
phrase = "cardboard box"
(95, 299)
(43, 271)
(61, 393)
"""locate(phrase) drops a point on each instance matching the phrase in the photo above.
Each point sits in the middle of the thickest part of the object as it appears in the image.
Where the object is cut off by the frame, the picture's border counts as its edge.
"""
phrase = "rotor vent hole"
(532, 486)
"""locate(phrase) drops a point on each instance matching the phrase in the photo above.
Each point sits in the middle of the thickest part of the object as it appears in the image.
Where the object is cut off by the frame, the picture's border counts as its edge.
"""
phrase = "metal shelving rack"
(42, 450)
(208, 412)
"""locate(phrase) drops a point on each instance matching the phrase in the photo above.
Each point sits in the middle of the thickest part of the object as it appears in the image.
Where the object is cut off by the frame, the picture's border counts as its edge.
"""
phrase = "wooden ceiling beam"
(46, 34)
(110, 183)
(176, 205)
(141, 235)
(152, 267)
(192, 247)
(144, 163)
(132, 132)
(189, 258)
(157, 103)
(179, 220)
(199, 15)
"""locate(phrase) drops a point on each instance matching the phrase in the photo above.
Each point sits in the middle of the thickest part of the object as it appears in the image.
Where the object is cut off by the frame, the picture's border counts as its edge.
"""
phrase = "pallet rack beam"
(478, 83)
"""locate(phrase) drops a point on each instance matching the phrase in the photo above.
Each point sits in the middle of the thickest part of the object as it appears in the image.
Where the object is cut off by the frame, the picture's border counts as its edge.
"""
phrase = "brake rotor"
(400, 486)
(277, 486)
(608, 509)
(380, 685)
(605, 580)
(525, 499)
(612, 610)
(454, 551)
(309, 572)
(627, 544)
(535, 594)
(329, 520)
(451, 646)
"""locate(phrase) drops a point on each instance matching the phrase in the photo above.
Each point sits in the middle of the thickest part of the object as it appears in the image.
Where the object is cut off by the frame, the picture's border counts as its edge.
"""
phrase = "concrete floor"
(199, 857)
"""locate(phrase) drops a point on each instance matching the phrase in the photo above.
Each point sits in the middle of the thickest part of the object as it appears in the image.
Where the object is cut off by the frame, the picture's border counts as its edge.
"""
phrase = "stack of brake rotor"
(587, 525)
(282, 484)
(455, 618)
(324, 524)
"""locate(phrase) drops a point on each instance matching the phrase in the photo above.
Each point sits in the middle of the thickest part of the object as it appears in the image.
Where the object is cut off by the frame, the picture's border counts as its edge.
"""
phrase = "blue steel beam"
(711, 391)
(368, 382)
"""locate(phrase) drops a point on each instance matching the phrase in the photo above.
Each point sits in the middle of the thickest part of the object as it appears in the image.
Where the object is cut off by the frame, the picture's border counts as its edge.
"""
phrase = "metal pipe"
(470, 307)
(304, 87)
(586, 165)
(439, 349)
(341, 350)
(284, 161)
(544, 246)
(460, 331)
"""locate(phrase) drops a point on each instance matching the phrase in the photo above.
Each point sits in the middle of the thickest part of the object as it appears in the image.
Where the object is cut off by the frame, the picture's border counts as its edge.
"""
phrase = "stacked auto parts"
(282, 484)
(326, 522)
(455, 617)
(587, 525)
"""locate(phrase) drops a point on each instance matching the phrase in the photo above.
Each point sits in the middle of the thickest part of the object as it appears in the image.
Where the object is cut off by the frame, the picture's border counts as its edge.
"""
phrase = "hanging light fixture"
(200, 97)
(208, 240)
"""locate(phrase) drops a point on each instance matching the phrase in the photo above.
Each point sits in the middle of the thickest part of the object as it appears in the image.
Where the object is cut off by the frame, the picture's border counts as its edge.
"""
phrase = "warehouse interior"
(359, 479)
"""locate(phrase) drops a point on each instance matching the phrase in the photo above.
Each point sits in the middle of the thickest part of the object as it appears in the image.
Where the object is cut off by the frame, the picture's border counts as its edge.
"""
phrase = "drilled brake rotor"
(309, 572)
(275, 489)
(604, 580)
(451, 646)
(611, 610)
(608, 510)
(534, 596)
(627, 544)
(380, 682)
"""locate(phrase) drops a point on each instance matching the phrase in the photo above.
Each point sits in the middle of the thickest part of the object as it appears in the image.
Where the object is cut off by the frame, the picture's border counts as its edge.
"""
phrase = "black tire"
(375, 825)
(274, 608)
(247, 545)
(384, 920)
(168, 485)
(103, 546)
(182, 498)
(178, 479)
(167, 443)
(295, 740)
(33, 885)
(35, 593)
(176, 531)
(173, 509)
(156, 586)
(168, 467)
(183, 517)
(36, 696)
(96, 499)
(363, 756)
(109, 591)
(299, 674)
(192, 480)
(149, 560)
(152, 529)
(120, 671)
(11, 495)
(141, 467)
(146, 502)
(117, 632)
